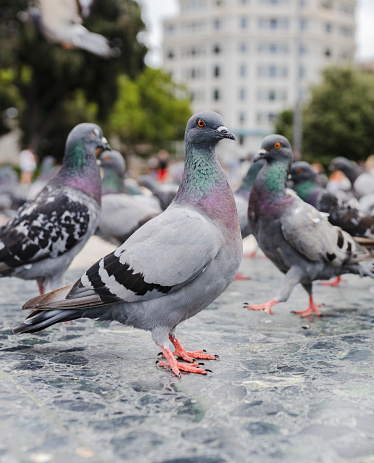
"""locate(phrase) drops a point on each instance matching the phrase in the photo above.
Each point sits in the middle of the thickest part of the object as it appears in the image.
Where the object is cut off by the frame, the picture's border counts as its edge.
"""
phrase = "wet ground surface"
(285, 389)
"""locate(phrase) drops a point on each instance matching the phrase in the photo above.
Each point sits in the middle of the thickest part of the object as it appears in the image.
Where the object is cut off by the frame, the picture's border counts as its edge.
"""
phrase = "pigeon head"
(275, 148)
(112, 160)
(302, 171)
(87, 136)
(113, 168)
(206, 128)
(343, 164)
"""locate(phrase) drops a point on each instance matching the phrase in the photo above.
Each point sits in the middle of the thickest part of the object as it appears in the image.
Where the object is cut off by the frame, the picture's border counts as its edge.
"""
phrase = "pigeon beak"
(224, 132)
(260, 155)
(102, 145)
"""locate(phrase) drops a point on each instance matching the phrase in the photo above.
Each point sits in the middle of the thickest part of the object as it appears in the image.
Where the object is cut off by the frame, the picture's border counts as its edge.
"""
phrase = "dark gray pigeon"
(121, 214)
(296, 237)
(41, 240)
(172, 267)
(242, 194)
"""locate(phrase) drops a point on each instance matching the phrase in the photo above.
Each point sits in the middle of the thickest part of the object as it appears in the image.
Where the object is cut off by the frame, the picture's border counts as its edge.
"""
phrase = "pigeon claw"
(176, 367)
(311, 309)
(267, 307)
(181, 352)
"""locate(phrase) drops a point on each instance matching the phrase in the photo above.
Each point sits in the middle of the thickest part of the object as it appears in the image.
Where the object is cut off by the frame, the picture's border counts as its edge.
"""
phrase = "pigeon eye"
(277, 146)
(96, 132)
(299, 171)
(200, 123)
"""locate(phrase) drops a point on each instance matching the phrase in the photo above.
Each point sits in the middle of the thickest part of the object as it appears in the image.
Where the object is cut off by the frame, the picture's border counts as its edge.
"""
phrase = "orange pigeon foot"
(265, 307)
(311, 309)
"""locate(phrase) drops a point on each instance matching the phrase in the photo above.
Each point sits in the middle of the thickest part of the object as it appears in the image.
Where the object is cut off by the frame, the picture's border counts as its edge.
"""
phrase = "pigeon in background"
(121, 213)
(362, 182)
(242, 194)
(40, 241)
(60, 21)
(296, 237)
(172, 267)
(342, 212)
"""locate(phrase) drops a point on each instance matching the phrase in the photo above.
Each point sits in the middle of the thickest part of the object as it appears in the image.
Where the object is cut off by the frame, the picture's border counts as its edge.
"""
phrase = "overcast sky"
(155, 10)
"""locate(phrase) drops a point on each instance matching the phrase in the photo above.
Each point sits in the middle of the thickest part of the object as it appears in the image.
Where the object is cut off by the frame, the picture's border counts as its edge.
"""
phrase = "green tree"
(150, 109)
(60, 88)
(338, 120)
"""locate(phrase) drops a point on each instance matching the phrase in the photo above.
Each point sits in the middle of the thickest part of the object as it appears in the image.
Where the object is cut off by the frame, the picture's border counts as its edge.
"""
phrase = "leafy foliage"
(339, 118)
(150, 109)
(61, 88)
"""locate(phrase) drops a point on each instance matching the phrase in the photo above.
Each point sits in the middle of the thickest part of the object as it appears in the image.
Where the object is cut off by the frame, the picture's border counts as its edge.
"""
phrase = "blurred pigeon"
(297, 238)
(60, 21)
(12, 193)
(40, 241)
(164, 192)
(172, 267)
(341, 211)
(362, 182)
(48, 169)
(121, 213)
(242, 194)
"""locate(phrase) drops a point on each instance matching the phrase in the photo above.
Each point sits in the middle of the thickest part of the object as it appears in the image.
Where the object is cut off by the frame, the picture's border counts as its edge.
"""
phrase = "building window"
(217, 24)
(217, 49)
(243, 23)
(303, 24)
(170, 54)
(170, 29)
(273, 48)
(241, 140)
(327, 53)
(216, 71)
(242, 94)
(242, 70)
(271, 95)
(272, 117)
(241, 117)
(216, 95)
(328, 28)
(243, 47)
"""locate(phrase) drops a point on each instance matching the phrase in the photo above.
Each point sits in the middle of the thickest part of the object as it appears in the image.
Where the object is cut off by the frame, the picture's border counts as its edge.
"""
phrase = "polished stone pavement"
(285, 389)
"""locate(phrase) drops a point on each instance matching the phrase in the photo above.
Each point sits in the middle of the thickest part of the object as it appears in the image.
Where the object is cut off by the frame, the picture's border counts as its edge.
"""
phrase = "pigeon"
(342, 212)
(294, 235)
(164, 192)
(40, 241)
(172, 267)
(61, 22)
(362, 182)
(121, 213)
(242, 194)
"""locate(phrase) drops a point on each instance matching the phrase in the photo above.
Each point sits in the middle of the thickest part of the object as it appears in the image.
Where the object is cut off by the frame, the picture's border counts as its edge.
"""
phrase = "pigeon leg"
(335, 282)
(40, 287)
(265, 307)
(181, 352)
(240, 276)
(250, 255)
(312, 308)
(176, 366)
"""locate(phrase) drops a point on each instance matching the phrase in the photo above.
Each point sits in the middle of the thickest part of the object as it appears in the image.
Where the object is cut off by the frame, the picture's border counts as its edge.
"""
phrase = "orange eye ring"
(200, 123)
(277, 145)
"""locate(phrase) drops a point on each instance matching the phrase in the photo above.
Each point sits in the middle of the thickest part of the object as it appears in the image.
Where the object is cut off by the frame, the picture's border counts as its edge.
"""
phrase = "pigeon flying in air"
(41, 240)
(296, 237)
(121, 213)
(61, 22)
(172, 267)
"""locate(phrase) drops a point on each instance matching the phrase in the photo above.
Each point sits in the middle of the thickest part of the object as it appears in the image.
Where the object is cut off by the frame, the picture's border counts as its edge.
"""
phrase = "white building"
(246, 59)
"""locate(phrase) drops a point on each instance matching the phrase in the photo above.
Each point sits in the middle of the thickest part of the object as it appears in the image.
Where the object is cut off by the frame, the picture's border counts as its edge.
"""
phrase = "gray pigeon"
(172, 267)
(41, 240)
(296, 237)
(60, 21)
(121, 214)
(242, 194)
(362, 182)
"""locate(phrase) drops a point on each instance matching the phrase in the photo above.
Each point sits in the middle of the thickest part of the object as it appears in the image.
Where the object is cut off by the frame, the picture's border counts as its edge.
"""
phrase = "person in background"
(27, 164)
(163, 161)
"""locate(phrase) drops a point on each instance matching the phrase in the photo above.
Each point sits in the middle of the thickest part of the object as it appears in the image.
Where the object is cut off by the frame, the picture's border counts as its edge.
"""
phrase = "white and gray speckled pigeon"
(61, 22)
(121, 214)
(296, 237)
(172, 267)
(40, 241)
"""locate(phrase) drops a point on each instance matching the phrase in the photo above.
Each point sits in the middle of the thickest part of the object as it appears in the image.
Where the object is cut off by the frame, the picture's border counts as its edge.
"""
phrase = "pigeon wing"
(308, 231)
(46, 227)
(164, 255)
